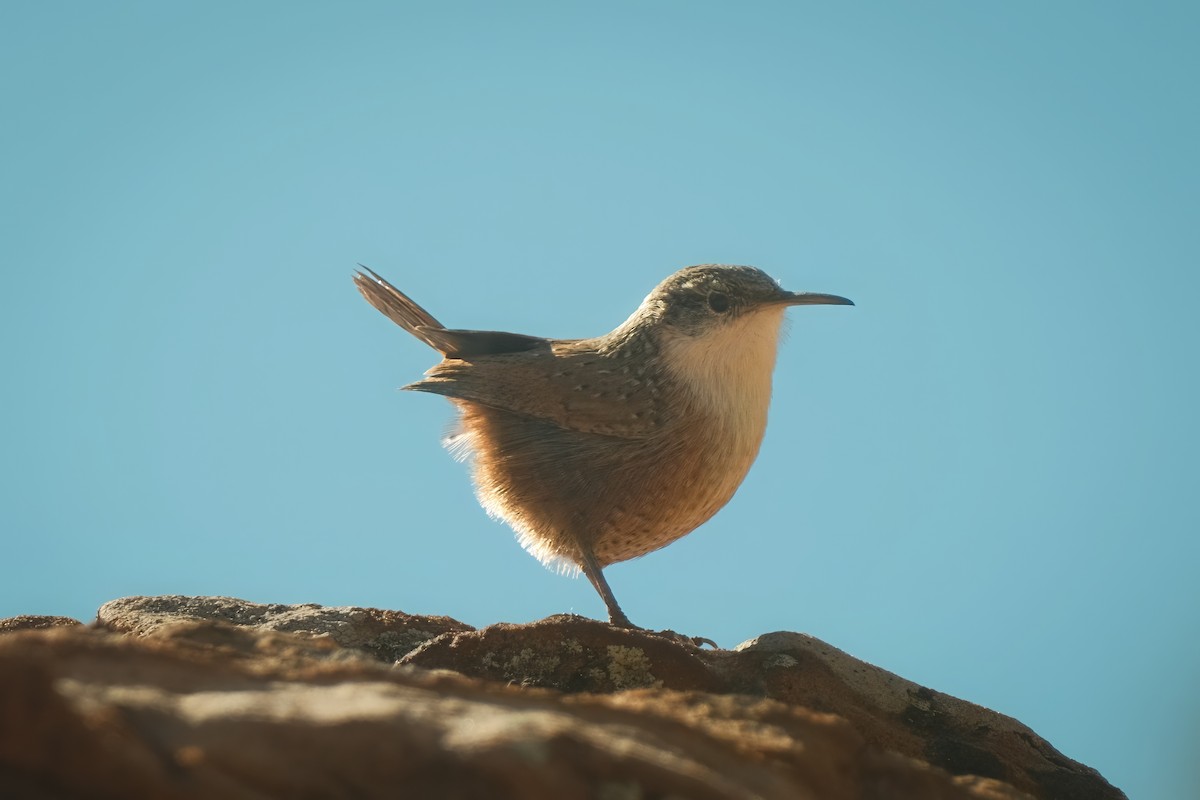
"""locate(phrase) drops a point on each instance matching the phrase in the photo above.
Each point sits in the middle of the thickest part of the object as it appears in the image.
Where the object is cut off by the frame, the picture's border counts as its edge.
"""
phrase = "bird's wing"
(568, 383)
(575, 388)
(464, 344)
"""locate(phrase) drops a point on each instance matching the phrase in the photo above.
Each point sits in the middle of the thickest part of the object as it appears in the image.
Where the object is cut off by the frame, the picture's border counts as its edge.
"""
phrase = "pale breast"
(726, 373)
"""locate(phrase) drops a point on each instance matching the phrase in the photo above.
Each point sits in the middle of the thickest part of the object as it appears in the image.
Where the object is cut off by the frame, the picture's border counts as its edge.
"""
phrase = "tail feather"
(399, 307)
(403, 310)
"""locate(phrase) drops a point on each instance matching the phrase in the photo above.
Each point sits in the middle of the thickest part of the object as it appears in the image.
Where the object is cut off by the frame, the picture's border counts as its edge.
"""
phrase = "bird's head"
(699, 301)
(717, 329)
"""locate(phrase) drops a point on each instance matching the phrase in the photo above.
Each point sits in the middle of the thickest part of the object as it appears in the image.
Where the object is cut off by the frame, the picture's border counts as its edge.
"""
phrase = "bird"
(600, 450)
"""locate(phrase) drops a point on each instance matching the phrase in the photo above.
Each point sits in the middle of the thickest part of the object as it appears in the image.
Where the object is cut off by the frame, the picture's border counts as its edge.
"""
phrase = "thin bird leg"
(587, 563)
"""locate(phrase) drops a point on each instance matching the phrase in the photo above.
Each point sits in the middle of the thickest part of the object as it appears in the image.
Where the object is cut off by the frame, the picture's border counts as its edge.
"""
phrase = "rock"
(385, 635)
(215, 697)
(573, 654)
(91, 714)
(27, 622)
(897, 714)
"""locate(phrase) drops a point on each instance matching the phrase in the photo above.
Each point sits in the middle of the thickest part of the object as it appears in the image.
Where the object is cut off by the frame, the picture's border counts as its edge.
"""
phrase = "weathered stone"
(385, 635)
(29, 622)
(573, 654)
(180, 697)
(93, 714)
(896, 714)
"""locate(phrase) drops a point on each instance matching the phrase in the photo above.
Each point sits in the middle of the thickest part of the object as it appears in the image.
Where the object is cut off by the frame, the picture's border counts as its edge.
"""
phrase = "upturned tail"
(399, 307)
(404, 311)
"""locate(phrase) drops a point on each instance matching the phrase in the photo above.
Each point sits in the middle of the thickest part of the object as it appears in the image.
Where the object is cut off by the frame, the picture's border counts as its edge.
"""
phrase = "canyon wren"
(601, 450)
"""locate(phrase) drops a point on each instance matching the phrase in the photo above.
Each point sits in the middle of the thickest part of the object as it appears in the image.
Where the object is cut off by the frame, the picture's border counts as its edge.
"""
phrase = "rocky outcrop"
(213, 697)
(383, 635)
(30, 622)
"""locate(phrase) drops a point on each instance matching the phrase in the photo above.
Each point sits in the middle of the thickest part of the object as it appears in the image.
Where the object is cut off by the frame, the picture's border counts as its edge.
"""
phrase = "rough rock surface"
(214, 697)
(573, 654)
(27, 622)
(386, 635)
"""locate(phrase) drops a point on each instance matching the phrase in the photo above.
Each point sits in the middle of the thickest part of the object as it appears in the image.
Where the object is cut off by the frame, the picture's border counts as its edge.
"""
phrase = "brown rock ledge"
(216, 697)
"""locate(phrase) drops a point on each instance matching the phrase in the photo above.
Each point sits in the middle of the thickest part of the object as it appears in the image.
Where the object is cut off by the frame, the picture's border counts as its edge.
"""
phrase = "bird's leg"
(587, 562)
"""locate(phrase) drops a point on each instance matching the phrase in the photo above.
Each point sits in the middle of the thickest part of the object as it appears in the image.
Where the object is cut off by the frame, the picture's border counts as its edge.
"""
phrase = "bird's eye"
(718, 302)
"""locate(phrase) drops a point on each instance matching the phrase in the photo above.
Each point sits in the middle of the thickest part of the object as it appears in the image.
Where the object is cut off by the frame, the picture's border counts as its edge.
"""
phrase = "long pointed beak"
(814, 299)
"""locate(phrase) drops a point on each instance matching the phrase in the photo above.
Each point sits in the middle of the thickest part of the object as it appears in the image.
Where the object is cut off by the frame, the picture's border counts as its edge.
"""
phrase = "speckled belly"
(563, 490)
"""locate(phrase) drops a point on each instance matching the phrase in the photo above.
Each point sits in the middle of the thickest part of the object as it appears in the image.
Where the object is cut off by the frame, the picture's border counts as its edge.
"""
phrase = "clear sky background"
(983, 477)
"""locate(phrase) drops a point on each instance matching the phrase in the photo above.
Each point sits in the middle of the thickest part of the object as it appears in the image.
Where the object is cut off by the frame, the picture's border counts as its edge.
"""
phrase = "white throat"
(727, 371)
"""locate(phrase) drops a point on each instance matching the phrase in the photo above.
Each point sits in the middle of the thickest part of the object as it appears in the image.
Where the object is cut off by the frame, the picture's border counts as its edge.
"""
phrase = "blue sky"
(983, 477)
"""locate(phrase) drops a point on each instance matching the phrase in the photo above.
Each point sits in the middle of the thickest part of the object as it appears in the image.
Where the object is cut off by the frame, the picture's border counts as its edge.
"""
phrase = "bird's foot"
(674, 636)
(694, 641)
